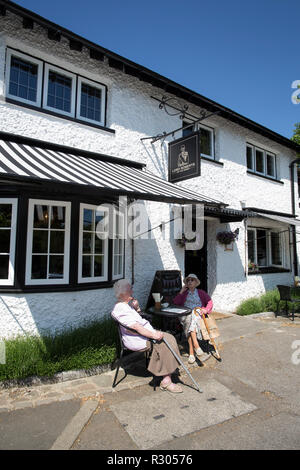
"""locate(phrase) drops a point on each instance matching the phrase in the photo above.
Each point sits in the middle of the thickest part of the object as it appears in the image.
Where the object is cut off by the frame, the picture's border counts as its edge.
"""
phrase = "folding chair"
(285, 296)
(124, 349)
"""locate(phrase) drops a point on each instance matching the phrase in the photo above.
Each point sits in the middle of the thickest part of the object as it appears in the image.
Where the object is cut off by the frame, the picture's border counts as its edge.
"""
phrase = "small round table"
(169, 315)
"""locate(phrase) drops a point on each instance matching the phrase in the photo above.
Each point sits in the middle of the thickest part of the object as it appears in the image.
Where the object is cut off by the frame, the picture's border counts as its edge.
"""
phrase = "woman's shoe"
(171, 387)
(199, 351)
(191, 359)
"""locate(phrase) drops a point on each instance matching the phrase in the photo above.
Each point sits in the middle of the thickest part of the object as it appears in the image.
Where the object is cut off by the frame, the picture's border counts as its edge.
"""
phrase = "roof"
(142, 73)
(30, 160)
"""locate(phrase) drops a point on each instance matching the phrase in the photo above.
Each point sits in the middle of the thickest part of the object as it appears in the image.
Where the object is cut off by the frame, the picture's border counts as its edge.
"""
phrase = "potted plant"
(227, 237)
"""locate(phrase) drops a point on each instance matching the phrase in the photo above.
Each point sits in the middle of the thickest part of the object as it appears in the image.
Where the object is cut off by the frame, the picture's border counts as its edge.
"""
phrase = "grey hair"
(121, 286)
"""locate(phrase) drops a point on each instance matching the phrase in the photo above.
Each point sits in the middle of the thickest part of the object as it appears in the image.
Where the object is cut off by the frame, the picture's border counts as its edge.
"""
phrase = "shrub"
(267, 302)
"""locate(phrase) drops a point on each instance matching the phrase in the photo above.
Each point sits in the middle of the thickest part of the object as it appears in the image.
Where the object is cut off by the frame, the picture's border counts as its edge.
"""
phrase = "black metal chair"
(285, 296)
(123, 350)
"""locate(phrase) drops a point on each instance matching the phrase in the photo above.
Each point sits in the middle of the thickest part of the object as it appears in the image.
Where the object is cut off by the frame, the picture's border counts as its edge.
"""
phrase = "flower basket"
(225, 238)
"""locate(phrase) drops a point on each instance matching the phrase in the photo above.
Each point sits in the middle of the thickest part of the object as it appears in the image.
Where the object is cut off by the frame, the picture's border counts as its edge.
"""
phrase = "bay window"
(265, 248)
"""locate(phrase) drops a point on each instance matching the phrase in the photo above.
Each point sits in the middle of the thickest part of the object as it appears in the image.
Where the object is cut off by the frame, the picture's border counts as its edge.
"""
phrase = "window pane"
(259, 161)
(98, 245)
(251, 246)
(57, 241)
(59, 91)
(56, 267)
(4, 265)
(275, 248)
(250, 158)
(58, 217)
(205, 142)
(116, 266)
(39, 267)
(270, 165)
(90, 102)
(87, 243)
(4, 241)
(261, 247)
(5, 215)
(87, 266)
(98, 266)
(40, 241)
(41, 216)
(23, 79)
(87, 219)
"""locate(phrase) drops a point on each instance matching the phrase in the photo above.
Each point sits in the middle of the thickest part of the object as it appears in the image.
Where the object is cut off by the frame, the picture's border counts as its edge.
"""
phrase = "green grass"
(82, 348)
(265, 303)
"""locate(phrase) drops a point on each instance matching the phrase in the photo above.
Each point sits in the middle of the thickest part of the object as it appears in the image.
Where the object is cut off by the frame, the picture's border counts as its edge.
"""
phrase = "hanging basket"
(225, 238)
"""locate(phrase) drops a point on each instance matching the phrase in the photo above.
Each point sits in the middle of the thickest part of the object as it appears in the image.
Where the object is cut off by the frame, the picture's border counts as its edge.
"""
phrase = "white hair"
(121, 287)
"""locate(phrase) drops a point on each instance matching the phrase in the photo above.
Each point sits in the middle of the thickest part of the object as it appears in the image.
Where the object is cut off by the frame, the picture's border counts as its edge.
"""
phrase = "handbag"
(211, 325)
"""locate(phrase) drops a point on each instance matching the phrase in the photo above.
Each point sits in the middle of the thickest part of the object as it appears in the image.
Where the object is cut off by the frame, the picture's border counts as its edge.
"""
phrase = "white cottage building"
(81, 126)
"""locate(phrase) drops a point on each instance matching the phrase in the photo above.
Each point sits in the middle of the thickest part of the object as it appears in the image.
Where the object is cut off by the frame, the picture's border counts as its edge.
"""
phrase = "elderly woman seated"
(162, 361)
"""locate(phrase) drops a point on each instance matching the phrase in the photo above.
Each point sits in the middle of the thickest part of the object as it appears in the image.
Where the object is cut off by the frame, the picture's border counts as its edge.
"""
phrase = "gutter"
(294, 242)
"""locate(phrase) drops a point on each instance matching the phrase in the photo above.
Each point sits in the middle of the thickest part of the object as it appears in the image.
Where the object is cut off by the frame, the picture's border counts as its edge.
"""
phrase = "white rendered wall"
(133, 114)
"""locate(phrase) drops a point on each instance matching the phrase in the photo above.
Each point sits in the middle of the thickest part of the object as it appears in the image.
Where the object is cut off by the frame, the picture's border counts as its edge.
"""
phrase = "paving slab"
(167, 416)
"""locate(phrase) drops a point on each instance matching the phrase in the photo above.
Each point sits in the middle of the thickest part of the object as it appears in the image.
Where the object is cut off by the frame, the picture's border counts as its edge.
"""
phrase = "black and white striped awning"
(28, 159)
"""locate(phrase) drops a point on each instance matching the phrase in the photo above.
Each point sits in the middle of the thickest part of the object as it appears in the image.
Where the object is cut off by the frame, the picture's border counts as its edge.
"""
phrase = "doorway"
(195, 261)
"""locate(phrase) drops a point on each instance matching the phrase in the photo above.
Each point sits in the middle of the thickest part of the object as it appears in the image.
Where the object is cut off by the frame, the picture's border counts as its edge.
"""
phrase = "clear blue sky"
(244, 55)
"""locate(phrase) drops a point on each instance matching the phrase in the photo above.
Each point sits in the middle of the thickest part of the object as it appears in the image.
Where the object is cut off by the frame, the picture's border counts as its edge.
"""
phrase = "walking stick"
(181, 363)
(210, 338)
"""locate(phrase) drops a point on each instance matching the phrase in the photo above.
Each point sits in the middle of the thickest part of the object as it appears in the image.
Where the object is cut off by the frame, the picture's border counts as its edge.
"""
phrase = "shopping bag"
(211, 324)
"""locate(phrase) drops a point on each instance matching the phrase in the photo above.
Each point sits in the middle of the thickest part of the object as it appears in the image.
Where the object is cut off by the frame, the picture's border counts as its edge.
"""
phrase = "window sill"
(211, 160)
(52, 113)
(270, 270)
(55, 288)
(249, 172)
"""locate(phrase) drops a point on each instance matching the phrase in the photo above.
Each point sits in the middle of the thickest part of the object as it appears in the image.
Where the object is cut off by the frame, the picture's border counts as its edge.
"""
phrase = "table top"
(171, 311)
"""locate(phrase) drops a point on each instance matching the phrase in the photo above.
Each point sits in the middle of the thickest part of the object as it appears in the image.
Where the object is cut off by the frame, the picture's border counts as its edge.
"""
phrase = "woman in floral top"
(191, 297)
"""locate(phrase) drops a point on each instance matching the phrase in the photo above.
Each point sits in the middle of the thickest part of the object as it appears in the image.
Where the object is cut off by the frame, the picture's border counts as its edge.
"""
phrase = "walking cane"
(210, 338)
(181, 363)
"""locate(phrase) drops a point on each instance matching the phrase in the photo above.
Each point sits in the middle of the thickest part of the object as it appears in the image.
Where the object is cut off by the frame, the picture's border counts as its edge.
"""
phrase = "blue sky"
(244, 55)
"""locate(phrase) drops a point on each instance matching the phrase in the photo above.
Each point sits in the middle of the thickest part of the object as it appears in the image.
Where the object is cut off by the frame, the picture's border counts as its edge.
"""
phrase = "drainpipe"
(297, 160)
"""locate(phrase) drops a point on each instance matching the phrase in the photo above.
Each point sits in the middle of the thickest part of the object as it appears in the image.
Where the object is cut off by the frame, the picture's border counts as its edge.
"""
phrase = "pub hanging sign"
(184, 158)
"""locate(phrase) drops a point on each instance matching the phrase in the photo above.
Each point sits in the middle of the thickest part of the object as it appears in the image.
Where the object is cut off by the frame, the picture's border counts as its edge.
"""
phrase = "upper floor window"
(24, 78)
(206, 138)
(261, 161)
(8, 215)
(54, 89)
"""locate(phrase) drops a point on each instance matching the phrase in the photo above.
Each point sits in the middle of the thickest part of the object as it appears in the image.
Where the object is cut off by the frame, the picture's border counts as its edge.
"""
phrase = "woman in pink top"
(162, 361)
(191, 297)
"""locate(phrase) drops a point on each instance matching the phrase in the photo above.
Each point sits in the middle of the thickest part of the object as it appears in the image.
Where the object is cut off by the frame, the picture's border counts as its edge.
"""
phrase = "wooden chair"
(285, 296)
(123, 350)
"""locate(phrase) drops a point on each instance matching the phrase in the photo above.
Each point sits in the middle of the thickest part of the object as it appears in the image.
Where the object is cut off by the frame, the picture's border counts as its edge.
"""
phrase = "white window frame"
(252, 157)
(39, 63)
(212, 141)
(81, 81)
(13, 228)
(121, 237)
(268, 232)
(265, 153)
(48, 68)
(80, 254)
(44, 202)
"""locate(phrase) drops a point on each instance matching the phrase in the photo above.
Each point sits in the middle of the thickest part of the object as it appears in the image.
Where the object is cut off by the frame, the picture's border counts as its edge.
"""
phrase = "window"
(32, 82)
(118, 246)
(260, 161)
(8, 216)
(265, 247)
(59, 91)
(48, 242)
(93, 243)
(90, 101)
(206, 138)
(24, 77)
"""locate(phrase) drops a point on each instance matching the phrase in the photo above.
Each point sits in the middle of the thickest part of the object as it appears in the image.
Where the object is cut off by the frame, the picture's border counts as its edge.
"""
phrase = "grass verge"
(81, 348)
